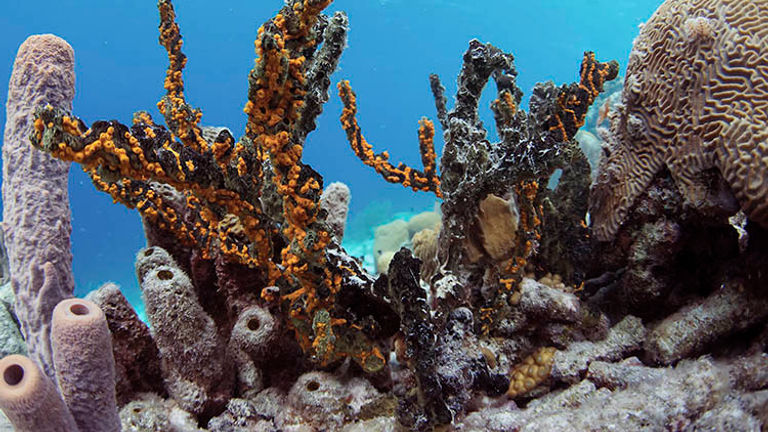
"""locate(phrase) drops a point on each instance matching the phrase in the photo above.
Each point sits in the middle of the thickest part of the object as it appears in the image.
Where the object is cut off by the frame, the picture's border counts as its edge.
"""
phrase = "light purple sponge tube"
(85, 367)
(29, 398)
(36, 215)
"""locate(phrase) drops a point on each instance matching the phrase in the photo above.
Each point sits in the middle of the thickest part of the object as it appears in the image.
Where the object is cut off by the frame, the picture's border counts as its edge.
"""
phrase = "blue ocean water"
(393, 46)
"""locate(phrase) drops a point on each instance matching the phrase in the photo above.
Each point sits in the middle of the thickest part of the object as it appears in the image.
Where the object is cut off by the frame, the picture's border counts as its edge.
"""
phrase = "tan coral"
(425, 249)
(695, 98)
(531, 373)
(423, 220)
(497, 222)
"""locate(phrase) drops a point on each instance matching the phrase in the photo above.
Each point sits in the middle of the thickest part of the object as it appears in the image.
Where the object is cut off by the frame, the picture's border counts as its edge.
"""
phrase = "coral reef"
(36, 216)
(509, 314)
(223, 181)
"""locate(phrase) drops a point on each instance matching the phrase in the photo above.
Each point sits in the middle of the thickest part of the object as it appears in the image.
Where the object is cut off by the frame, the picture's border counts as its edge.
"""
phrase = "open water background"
(393, 46)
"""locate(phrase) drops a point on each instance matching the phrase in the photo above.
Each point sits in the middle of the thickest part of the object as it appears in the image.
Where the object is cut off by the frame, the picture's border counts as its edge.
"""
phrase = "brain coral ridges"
(714, 117)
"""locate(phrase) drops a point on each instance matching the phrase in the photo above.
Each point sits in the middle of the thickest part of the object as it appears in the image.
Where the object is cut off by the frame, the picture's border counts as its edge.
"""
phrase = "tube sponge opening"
(13, 375)
(29, 398)
(149, 259)
(85, 366)
(79, 309)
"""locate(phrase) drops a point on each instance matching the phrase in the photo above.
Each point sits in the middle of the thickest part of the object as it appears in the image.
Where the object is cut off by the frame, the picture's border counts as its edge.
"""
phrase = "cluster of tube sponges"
(200, 367)
(201, 370)
(81, 396)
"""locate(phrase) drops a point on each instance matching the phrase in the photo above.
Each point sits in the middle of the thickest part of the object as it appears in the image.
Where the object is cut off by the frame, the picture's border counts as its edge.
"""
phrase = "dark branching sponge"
(252, 201)
(425, 408)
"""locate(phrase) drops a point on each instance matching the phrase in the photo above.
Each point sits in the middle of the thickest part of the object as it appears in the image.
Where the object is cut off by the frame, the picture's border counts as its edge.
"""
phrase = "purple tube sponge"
(85, 367)
(35, 199)
(29, 398)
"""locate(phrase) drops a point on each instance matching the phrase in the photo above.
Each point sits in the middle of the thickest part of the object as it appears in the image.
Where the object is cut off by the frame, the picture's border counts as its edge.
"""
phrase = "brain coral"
(695, 99)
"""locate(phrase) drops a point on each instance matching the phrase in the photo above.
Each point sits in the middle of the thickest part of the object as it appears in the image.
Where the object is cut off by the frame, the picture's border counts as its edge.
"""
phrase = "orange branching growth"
(182, 119)
(426, 180)
(222, 179)
(529, 231)
(277, 88)
(574, 101)
(505, 107)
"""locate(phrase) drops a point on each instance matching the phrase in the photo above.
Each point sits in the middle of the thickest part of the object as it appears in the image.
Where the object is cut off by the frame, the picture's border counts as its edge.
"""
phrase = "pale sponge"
(85, 367)
(36, 215)
(29, 398)
(192, 354)
(335, 201)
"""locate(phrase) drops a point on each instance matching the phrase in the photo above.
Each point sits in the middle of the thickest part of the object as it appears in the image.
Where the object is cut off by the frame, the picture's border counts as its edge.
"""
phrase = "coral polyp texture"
(223, 181)
(714, 118)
